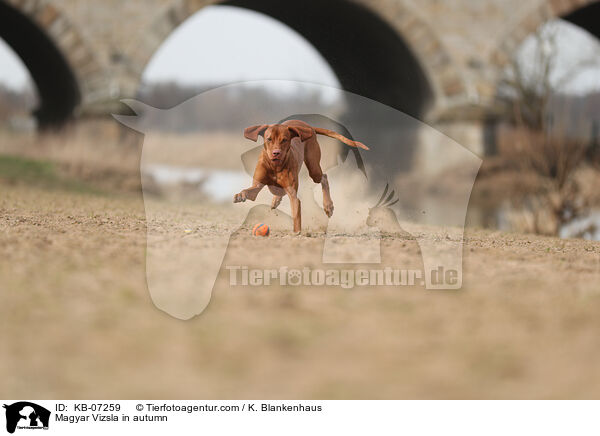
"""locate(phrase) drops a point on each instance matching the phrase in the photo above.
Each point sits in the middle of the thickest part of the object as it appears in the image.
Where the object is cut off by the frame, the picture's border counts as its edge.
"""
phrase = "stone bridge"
(435, 59)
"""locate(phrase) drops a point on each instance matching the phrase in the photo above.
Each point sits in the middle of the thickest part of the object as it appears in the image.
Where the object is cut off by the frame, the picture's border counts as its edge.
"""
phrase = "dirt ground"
(78, 321)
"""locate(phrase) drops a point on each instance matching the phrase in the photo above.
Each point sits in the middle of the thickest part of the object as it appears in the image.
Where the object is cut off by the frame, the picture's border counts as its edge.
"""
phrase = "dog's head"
(278, 138)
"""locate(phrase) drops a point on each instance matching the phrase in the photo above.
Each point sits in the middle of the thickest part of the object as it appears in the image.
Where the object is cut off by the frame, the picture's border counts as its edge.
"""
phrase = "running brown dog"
(286, 146)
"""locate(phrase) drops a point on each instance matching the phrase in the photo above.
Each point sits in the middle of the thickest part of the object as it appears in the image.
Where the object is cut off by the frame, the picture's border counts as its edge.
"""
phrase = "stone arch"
(411, 71)
(63, 68)
(525, 25)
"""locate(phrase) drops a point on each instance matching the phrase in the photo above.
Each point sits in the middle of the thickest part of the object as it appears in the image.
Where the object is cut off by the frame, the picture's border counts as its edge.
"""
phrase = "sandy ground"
(78, 322)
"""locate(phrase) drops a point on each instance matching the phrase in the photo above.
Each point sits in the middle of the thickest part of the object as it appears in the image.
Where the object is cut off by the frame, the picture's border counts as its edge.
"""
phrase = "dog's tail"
(339, 137)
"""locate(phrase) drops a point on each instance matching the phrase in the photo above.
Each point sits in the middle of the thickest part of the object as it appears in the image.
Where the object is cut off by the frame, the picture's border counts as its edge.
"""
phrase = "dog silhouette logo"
(194, 232)
(25, 415)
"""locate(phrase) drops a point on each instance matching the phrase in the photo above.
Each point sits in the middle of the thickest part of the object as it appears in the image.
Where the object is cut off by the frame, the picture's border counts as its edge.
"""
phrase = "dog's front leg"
(295, 204)
(248, 194)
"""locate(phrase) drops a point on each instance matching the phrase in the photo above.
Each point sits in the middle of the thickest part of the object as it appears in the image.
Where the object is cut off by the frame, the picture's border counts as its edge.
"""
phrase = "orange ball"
(260, 230)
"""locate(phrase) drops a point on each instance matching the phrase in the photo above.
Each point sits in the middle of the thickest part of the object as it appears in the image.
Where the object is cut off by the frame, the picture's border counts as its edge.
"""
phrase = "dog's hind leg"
(327, 201)
(312, 159)
(276, 201)
(278, 194)
(292, 193)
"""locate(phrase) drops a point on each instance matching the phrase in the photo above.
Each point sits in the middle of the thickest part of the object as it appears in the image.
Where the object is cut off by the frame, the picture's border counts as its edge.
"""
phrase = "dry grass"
(96, 152)
(542, 178)
(108, 156)
(214, 150)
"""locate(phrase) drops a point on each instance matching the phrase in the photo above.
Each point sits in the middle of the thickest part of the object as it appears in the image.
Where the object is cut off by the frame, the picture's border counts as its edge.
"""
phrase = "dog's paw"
(328, 208)
(239, 198)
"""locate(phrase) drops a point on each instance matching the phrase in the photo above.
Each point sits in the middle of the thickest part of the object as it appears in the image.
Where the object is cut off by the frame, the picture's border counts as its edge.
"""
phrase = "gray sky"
(227, 44)
(577, 59)
(12, 73)
(223, 44)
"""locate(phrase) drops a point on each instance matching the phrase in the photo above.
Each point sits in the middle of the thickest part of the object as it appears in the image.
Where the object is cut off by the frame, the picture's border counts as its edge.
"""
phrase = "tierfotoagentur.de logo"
(25, 415)
(350, 180)
(344, 278)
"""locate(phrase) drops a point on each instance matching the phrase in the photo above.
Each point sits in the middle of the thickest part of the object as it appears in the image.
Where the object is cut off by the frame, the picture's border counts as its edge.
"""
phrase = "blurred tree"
(551, 131)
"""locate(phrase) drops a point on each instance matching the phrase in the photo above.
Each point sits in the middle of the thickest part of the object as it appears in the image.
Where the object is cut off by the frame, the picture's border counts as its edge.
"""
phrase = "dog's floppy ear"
(252, 132)
(302, 132)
